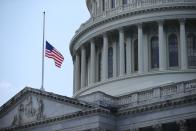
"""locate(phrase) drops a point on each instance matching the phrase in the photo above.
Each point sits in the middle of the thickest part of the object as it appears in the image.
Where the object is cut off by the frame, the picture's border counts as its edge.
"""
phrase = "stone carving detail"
(145, 95)
(18, 117)
(190, 86)
(29, 110)
(182, 125)
(170, 90)
(40, 109)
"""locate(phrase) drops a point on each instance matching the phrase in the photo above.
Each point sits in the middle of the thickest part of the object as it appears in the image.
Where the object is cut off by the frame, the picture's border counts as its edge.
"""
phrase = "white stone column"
(128, 55)
(140, 49)
(122, 51)
(83, 67)
(105, 57)
(74, 76)
(162, 48)
(183, 46)
(114, 60)
(77, 80)
(92, 62)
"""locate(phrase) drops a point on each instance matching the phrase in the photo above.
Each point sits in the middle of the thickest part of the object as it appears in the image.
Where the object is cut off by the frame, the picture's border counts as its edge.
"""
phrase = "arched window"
(173, 50)
(110, 62)
(191, 44)
(124, 2)
(154, 47)
(113, 3)
(99, 66)
(135, 51)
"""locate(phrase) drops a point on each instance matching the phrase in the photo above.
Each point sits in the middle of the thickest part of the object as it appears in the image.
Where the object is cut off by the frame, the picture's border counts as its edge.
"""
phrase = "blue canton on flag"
(51, 52)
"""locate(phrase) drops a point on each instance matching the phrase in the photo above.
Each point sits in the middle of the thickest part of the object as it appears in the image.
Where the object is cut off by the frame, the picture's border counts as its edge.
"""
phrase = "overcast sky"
(21, 44)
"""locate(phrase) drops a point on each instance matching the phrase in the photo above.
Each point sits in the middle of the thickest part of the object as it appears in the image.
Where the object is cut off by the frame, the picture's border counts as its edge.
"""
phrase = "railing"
(132, 6)
(156, 94)
(165, 92)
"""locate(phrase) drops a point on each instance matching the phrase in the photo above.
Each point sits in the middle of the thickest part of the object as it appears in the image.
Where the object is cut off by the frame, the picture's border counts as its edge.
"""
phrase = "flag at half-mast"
(53, 53)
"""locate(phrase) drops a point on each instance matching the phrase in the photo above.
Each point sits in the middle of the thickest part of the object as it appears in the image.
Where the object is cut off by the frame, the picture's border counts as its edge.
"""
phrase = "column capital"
(157, 127)
(160, 22)
(105, 34)
(139, 25)
(77, 53)
(182, 20)
(83, 47)
(92, 40)
(182, 124)
(121, 29)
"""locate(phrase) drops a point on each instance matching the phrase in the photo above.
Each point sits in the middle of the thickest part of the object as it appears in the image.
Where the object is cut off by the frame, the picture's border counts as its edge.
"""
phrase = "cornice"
(186, 95)
(27, 90)
(163, 105)
(120, 113)
(91, 24)
(96, 111)
(129, 76)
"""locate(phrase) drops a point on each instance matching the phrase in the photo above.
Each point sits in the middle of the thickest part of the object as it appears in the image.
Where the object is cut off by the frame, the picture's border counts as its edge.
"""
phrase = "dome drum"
(130, 53)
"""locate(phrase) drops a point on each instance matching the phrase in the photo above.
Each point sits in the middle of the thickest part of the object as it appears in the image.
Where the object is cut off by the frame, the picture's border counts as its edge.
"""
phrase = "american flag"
(51, 52)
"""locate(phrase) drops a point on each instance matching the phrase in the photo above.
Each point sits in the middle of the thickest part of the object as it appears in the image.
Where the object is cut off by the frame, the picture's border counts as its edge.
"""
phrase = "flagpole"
(42, 85)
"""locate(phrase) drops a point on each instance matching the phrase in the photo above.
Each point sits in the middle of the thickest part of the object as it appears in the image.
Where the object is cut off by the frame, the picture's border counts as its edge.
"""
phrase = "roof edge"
(5, 107)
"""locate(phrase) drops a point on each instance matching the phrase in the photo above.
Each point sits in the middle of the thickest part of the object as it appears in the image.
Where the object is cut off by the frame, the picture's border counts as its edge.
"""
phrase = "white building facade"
(134, 70)
(130, 45)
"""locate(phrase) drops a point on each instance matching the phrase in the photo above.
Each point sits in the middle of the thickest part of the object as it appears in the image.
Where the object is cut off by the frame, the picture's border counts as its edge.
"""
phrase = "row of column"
(80, 65)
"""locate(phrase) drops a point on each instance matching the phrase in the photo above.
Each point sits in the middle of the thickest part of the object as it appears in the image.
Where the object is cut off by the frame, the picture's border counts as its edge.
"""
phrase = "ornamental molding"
(158, 98)
(174, 103)
(29, 110)
(146, 101)
(27, 91)
(75, 115)
(91, 23)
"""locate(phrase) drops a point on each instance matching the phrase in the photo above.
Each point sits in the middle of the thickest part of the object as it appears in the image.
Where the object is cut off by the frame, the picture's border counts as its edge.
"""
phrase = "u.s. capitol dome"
(132, 45)
(134, 70)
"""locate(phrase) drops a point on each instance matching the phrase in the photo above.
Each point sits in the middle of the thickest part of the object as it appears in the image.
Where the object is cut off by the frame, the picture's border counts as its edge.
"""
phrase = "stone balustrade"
(156, 94)
(165, 92)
